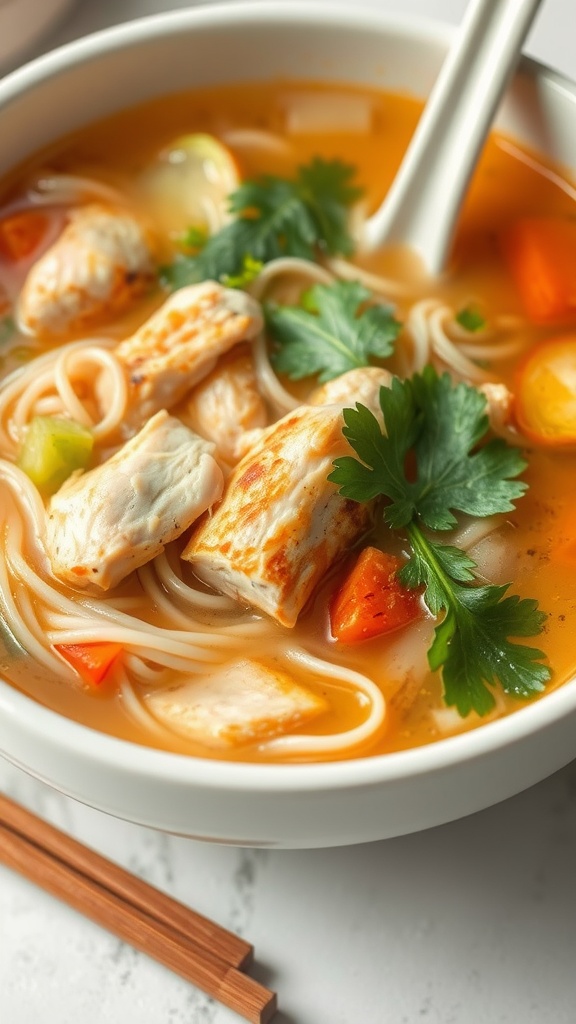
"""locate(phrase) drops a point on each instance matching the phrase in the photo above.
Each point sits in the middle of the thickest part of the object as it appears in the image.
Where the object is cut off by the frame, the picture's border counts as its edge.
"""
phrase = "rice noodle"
(47, 383)
(350, 738)
(50, 189)
(385, 288)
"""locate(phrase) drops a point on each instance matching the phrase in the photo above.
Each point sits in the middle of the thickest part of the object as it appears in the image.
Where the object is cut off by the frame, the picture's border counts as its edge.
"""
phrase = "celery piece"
(52, 449)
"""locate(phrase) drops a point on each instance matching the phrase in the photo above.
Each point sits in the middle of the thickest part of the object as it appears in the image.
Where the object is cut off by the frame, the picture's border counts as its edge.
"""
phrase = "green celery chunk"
(53, 448)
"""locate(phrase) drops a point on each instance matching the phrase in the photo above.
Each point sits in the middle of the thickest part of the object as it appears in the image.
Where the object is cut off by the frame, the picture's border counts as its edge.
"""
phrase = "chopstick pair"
(198, 949)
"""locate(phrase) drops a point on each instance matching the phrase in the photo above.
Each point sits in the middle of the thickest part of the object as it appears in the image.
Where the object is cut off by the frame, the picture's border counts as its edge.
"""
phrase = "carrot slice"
(541, 255)
(22, 233)
(91, 661)
(545, 398)
(372, 601)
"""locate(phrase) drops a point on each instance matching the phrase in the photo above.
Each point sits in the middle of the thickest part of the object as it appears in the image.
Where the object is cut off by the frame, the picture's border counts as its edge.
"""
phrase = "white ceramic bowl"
(273, 805)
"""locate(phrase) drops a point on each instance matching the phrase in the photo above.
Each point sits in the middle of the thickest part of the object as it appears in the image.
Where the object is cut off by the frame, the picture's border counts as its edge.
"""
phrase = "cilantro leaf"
(435, 426)
(452, 422)
(442, 422)
(329, 334)
(326, 188)
(275, 217)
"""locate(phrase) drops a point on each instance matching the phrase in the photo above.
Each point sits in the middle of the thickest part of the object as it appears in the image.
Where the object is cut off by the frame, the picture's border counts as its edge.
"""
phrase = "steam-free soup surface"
(478, 309)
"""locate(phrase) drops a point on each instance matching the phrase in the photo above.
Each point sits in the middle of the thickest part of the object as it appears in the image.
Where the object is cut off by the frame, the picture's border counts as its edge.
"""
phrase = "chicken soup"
(263, 495)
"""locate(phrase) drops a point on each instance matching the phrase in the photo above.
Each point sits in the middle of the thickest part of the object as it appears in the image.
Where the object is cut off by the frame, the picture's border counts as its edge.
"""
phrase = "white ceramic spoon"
(422, 205)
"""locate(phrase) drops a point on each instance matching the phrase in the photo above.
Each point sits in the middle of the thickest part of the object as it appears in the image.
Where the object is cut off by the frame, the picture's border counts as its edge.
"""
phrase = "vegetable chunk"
(243, 702)
(22, 233)
(189, 183)
(545, 404)
(113, 519)
(53, 448)
(541, 254)
(372, 600)
(91, 661)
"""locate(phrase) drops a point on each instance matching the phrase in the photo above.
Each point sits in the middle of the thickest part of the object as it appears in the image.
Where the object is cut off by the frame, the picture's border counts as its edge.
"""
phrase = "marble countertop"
(472, 922)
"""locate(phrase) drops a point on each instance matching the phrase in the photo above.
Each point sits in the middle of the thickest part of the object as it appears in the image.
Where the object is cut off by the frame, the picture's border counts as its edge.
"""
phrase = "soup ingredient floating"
(99, 265)
(372, 600)
(541, 254)
(53, 449)
(275, 217)
(189, 183)
(440, 425)
(331, 332)
(281, 523)
(116, 517)
(546, 397)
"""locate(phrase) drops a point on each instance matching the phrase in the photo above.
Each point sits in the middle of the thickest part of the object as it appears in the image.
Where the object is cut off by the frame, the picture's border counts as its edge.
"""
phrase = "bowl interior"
(301, 805)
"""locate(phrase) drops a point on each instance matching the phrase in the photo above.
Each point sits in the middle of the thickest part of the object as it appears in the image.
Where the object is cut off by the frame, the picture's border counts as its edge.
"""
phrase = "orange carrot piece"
(541, 255)
(545, 392)
(91, 661)
(21, 233)
(372, 601)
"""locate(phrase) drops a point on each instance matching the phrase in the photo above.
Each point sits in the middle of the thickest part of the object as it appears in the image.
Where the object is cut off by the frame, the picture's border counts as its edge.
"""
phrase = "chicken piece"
(99, 264)
(281, 523)
(181, 342)
(243, 702)
(227, 404)
(104, 523)
(360, 385)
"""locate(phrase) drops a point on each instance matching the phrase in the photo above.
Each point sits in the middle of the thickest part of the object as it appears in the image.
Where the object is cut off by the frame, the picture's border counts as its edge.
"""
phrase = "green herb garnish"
(330, 333)
(249, 272)
(470, 319)
(435, 427)
(276, 217)
(193, 238)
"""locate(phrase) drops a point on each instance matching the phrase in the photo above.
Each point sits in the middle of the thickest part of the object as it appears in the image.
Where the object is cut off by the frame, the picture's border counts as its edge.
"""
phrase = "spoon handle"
(422, 205)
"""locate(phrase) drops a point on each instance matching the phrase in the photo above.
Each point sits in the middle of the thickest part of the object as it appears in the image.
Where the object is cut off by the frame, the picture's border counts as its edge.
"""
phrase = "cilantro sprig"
(275, 217)
(435, 427)
(330, 332)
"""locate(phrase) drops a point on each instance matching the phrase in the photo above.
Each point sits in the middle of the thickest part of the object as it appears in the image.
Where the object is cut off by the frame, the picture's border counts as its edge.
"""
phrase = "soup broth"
(275, 131)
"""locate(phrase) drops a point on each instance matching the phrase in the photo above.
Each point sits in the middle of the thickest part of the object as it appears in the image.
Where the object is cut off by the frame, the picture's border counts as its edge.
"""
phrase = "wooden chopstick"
(175, 949)
(223, 943)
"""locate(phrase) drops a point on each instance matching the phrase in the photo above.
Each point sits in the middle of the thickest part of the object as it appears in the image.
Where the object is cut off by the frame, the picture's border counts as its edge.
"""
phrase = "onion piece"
(188, 184)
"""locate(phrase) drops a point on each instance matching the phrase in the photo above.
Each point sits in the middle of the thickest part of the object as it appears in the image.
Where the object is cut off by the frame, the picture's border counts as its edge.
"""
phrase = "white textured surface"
(472, 923)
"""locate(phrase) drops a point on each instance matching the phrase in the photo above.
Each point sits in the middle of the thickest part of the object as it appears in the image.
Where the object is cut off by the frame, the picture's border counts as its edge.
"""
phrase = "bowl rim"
(134, 759)
(165, 23)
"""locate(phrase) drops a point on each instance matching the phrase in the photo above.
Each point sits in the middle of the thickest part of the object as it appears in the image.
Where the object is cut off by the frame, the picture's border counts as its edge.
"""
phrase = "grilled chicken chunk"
(281, 523)
(360, 385)
(227, 404)
(104, 523)
(99, 264)
(242, 702)
(180, 343)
